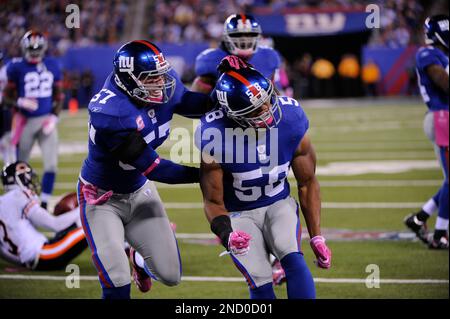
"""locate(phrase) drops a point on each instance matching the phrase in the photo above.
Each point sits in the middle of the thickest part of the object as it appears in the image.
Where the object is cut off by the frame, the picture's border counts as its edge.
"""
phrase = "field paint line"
(238, 279)
(335, 205)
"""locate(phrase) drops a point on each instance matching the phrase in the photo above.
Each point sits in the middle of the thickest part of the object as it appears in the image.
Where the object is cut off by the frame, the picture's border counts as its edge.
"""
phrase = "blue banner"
(313, 23)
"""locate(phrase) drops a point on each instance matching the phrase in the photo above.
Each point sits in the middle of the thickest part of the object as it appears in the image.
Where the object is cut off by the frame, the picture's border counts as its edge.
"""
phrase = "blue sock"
(443, 201)
(436, 197)
(263, 292)
(48, 181)
(299, 281)
(117, 292)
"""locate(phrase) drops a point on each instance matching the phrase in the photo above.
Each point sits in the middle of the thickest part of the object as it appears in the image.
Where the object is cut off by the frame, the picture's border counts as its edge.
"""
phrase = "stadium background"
(358, 88)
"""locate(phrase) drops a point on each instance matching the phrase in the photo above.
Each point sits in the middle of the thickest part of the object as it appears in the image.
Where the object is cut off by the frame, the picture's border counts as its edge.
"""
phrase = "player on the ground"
(432, 72)
(248, 145)
(129, 118)
(34, 89)
(7, 149)
(241, 37)
(20, 216)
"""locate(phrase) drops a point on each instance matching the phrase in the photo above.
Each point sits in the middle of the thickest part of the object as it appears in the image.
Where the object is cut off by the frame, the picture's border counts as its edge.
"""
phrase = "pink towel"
(18, 124)
(441, 127)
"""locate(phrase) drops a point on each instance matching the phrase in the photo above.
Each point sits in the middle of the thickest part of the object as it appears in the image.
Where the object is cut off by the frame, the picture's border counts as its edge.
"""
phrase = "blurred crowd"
(100, 22)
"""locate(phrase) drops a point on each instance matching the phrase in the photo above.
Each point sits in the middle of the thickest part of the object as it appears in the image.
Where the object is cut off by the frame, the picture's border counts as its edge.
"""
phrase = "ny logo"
(242, 27)
(222, 98)
(126, 64)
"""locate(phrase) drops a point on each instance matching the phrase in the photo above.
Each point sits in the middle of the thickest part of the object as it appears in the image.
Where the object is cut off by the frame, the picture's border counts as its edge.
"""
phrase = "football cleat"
(140, 277)
(278, 274)
(442, 243)
(418, 227)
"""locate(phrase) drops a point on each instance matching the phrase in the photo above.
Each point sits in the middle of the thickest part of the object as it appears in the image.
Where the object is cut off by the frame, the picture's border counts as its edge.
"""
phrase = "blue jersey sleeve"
(12, 72)
(193, 104)
(426, 57)
(207, 61)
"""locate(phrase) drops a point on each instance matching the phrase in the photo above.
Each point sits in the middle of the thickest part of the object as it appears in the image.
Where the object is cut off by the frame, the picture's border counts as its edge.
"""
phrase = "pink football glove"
(322, 252)
(239, 243)
(28, 104)
(49, 124)
(90, 193)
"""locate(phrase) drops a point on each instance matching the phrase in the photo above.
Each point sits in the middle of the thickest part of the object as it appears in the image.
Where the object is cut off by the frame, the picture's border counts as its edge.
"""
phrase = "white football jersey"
(20, 242)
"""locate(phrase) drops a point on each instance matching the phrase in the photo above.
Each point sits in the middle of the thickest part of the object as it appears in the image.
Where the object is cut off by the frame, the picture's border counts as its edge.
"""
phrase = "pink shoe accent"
(140, 277)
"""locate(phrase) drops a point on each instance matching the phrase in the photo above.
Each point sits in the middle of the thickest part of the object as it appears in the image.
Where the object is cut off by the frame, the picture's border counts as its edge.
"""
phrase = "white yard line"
(238, 279)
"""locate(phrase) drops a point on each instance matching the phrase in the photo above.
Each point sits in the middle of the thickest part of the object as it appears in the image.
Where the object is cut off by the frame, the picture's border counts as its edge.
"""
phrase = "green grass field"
(397, 172)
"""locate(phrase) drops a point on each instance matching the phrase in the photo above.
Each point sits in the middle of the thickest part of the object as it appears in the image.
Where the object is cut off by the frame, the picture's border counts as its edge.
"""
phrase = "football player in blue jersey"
(128, 119)
(249, 143)
(241, 36)
(432, 72)
(34, 88)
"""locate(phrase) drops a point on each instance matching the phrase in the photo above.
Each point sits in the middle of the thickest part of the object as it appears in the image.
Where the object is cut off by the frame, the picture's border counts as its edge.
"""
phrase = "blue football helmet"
(33, 45)
(141, 70)
(241, 33)
(436, 30)
(248, 98)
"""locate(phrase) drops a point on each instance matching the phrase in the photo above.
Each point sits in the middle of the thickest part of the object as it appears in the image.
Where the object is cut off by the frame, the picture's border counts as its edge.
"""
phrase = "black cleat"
(418, 227)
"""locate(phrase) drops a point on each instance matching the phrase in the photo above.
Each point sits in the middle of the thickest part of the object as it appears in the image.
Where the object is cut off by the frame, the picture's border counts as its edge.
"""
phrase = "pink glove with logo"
(49, 124)
(29, 104)
(322, 252)
(90, 193)
(239, 243)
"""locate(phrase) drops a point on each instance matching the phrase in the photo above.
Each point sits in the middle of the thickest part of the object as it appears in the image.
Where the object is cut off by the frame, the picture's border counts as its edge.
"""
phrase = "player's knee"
(169, 275)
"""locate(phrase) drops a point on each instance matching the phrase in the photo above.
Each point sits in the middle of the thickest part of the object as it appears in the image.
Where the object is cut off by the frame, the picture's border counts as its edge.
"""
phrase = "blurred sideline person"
(241, 37)
(251, 197)
(34, 89)
(370, 76)
(128, 119)
(20, 216)
(432, 70)
(7, 149)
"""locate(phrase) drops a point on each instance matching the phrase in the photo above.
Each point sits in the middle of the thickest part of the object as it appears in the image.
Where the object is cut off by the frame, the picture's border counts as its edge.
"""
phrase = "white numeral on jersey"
(252, 193)
(38, 84)
(286, 100)
(214, 115)
(108, 93)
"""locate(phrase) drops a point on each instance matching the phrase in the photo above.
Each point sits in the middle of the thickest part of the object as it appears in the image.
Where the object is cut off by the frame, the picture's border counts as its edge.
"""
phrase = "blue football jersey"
(432, 95)
(35, 81)
(113, 116)
(255, 164)
(266, 60)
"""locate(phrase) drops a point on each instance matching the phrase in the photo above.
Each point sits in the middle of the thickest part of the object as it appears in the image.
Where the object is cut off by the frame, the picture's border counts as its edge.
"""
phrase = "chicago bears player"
(248, 145)
(129, 118)
(34, 88)
(432, 72)
(241, 35)
(20, 216)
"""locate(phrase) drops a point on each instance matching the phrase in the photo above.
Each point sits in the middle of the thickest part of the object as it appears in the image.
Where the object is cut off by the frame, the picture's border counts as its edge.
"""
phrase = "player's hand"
(232, 62)
(239, 243)
(90, 193)
(322, 252)
(29, 104)
(49, 124)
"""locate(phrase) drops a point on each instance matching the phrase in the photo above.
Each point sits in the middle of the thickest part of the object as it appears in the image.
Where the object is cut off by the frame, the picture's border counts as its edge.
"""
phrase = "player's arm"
(211, 176)
(203, 84)
(133, 150)
(439, 76)
(304, 167)
(194, 104)
(10, 94)
(39, 217)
